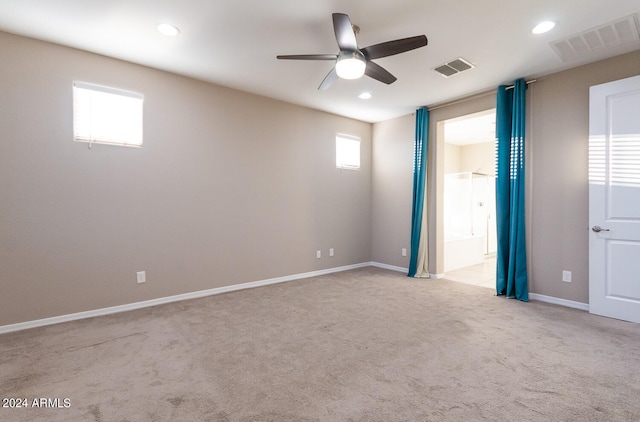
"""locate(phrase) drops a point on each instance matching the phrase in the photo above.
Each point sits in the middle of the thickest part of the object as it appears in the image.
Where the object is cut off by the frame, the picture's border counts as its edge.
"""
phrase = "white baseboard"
(558, 301)
(169, 299)
(389, 267)
(235, 287)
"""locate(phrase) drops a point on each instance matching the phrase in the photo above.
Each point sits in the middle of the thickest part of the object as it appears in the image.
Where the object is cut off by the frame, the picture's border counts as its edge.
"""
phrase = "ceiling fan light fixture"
(350, 65)
(352, 62)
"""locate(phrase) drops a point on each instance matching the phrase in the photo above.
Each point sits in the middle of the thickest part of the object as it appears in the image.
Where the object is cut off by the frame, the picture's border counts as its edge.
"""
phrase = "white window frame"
(344, 143)
(107, 115)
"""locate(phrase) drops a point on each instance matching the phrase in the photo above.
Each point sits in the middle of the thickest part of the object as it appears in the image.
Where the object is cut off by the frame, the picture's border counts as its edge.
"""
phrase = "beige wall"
(558, 160)
(479, 158)
(392, 190)
(228, 188)
(557, 174)
(231, 187)
(452, 158)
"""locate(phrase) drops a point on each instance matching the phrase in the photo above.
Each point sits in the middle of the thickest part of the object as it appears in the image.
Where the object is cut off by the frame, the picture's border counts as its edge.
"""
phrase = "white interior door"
(614, 199)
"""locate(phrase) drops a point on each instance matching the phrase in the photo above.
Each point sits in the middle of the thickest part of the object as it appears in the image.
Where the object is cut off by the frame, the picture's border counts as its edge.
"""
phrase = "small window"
(106, 115)
(347, 152)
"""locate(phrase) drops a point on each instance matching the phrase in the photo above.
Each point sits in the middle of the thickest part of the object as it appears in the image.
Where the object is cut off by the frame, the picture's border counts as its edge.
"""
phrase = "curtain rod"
(473, 97)
(527, 82)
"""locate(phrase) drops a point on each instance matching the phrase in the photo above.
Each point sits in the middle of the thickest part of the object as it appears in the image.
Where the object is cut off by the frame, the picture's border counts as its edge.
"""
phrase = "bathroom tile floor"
(483, 274)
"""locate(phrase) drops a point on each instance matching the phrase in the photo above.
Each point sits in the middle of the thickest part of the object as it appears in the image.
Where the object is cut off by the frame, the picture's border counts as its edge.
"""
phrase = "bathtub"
(463, 251)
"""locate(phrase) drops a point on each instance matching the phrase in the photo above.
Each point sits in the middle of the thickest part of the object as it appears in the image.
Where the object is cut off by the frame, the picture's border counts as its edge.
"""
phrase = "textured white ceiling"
(234, 42)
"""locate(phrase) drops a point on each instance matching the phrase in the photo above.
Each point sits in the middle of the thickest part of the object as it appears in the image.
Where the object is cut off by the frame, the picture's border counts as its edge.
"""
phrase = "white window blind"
(106, 115)
(347, 152)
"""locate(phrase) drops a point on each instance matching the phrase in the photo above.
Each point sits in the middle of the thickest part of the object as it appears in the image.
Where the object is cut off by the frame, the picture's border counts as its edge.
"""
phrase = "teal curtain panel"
(511, 255)
(419, 180)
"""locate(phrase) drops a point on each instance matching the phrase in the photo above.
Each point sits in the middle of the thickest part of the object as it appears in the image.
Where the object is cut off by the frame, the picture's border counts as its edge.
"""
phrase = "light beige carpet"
(363, 345)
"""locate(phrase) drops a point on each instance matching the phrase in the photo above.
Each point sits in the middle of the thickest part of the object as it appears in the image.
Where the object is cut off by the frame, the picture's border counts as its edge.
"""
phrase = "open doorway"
(469, 199)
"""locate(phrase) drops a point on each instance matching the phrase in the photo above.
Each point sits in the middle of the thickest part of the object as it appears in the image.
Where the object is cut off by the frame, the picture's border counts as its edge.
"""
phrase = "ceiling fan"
(353, 62)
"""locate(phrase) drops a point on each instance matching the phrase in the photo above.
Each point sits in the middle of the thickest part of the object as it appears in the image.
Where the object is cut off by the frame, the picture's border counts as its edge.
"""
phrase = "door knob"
(599, 229)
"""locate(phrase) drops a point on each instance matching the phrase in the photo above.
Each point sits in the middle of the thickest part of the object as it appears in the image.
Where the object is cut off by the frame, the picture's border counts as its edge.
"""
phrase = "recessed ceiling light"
(365, 95)
(543, 27)
(168, 30)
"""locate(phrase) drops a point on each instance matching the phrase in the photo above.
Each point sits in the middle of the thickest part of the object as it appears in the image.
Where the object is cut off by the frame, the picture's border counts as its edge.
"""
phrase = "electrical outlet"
(566, 276)
(404, 251)
(318, 254)
(331, 252)
(141, 277)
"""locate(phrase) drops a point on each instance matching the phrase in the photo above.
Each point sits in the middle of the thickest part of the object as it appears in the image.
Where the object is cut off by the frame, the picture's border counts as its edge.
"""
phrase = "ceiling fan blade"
(390, 48)
(328, 80)
(344, 32)
(309, 57)
(379, 73)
